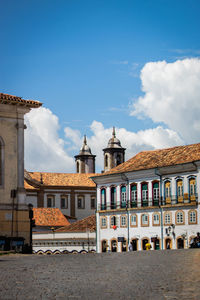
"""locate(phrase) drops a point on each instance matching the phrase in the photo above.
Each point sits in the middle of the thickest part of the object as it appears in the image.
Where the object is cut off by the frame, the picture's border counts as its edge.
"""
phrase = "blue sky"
(83, 59)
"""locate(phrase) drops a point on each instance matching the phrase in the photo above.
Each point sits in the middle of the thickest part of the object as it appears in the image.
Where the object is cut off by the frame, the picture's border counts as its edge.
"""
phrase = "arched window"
(77, 167)
(106, 160)
(179, 190)
(155, 193)
(179, 218)
(123, 197)
(118, 159)
(167, 218)
(144, 220)
(192, 189)
(113, 221)
(113, 198)
(145, 194)
(192, 217)
(1, 161)
(103, 199)
(167, 191)
(134, 195)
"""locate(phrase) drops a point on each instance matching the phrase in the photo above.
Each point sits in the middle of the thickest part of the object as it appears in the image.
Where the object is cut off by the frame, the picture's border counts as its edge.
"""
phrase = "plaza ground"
(168, 274)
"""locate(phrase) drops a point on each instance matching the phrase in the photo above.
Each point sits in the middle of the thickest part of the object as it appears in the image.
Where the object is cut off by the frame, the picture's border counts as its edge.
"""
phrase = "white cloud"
(133, 142)
(172, 96)
(44, 150)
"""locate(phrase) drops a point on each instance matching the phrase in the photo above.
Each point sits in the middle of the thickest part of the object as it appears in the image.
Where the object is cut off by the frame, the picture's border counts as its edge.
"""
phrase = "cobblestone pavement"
(169, 274)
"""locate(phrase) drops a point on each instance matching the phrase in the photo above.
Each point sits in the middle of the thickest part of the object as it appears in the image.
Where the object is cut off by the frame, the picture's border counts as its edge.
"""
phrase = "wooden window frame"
(134, 215)
(66, 201)
(145, 225)
(176, 217)
(156, 213)
(189, 212)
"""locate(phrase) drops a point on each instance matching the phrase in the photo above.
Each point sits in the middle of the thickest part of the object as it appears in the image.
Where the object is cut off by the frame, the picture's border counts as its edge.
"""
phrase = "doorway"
(134, 244)
(180, 243)
(144, 242)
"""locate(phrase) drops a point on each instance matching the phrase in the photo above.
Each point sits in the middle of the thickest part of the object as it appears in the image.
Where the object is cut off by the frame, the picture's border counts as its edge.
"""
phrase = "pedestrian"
(130, 247)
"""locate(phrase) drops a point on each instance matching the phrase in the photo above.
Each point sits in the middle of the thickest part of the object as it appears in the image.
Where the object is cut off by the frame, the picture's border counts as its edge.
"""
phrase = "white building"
(79, 237)
(151, 198)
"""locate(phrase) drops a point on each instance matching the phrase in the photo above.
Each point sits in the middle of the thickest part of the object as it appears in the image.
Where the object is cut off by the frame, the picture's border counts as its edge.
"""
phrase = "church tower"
(85, 160)
(114, 154)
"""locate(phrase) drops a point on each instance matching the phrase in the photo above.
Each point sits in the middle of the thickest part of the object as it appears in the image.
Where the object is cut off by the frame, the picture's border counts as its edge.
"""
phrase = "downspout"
(124, 177)
(160, 206)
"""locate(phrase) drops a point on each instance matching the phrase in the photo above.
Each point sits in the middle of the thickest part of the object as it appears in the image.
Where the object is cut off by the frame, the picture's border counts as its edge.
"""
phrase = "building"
(79, 237)
(85, 160)
(114, 154)
(14, 215)
(47, 218)
(73, 193)
(153, 198)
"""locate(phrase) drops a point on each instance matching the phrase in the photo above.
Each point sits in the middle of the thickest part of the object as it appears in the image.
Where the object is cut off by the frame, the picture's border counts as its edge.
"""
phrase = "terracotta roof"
(58, 179)
(10, 99)
(49, 217)
(81, 225)
(159, 158)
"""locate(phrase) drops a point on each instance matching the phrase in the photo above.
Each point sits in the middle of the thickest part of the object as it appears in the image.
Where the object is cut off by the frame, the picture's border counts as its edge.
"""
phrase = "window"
(80, 202)
(179, 188)
(156, 193)
(145, 220)
(123, 197)
(113, 221)
(77, 167)
(103, 222)
(1, 161)
(179, 217)
(133, 220)
(93, 202)
(118, 159)
(167, 219)
(123, 221)
(113, 198)
(144, 194)
(64, 202)
(156, 219)
(103, 199)
(50, 201)
(134, 195)
(167, 190)
(192, 188)
(106, 161)
(192, 217)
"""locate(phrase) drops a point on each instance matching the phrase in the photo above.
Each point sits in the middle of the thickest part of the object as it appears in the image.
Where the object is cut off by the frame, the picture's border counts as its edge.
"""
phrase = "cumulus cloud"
(171, 96)
(149, 139)
(44, 149)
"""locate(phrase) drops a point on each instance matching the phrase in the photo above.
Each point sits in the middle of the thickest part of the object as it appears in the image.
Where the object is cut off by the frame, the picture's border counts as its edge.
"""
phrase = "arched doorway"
(156, 244)
(168, 244)
(104, 246)
(144, 242)
(113, 246)
(134, 244)
(180, 243)
(124, 246)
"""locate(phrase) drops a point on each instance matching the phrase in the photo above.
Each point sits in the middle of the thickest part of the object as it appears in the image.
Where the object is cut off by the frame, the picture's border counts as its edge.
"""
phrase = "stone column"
(21, 193)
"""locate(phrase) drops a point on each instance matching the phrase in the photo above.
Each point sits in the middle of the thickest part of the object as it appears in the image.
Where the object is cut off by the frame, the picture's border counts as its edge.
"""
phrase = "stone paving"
(169, 274)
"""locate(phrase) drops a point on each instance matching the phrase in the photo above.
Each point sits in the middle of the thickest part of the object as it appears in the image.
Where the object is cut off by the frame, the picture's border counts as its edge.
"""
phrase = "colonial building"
(79, 237)
(14, 215)
(73, 193)
(152, 198)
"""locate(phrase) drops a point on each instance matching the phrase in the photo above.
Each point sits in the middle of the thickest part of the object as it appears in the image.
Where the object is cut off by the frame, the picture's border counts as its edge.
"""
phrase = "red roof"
(10, 99)
(83, 225)
(49, 217)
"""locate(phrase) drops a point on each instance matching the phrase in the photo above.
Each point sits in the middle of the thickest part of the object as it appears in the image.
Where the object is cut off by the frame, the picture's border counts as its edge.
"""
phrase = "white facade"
(156, 206)
(83, 201)
(64, 242)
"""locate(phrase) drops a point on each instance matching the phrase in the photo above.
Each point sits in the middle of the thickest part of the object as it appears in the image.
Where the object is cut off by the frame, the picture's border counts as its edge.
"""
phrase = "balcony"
(156, 202)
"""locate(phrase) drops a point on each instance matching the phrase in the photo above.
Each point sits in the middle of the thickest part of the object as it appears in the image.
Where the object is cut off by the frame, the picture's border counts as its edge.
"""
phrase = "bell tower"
(85, 160)
(114, 154)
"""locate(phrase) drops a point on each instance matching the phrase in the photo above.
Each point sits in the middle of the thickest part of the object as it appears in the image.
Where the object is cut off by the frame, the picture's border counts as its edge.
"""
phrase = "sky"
(96, 64)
